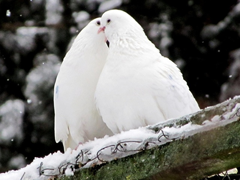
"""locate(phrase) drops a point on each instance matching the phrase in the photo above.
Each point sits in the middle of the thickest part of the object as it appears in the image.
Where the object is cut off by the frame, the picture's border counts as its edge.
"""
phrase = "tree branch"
(192, 155)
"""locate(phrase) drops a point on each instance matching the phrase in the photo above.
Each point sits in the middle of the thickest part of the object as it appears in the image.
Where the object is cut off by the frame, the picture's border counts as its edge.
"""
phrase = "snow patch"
(120, 145)
(8, 13)
(44, 75)
(54, 11)
(236, 10)
(25, 37)
(109, 4)
(17, 162)
(211, 31)
(232, 86)
(81, 18)
(11, 121)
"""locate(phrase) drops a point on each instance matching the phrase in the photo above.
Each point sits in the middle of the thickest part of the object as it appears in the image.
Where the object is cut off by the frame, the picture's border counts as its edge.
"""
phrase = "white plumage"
(138, 86)
(76, 117)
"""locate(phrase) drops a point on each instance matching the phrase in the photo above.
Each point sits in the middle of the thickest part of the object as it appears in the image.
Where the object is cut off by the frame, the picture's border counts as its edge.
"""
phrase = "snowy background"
(202, 37)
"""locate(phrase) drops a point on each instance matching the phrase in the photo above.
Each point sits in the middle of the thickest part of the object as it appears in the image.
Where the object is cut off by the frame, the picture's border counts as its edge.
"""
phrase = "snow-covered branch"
(192, 147)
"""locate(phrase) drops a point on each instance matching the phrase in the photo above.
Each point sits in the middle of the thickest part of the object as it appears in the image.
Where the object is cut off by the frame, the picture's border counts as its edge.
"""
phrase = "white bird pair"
(102, 91)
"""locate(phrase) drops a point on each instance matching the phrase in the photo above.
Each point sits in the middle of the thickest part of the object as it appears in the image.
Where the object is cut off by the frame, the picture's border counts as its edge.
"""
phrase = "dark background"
(202, 37)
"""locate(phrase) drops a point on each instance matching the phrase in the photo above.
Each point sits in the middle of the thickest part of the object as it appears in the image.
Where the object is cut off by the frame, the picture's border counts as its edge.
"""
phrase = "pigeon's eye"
(108, 21)
(98, 23)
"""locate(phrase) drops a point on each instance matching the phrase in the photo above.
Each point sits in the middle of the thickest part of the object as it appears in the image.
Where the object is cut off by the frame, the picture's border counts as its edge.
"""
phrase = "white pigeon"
(76, 117)
(138, 86)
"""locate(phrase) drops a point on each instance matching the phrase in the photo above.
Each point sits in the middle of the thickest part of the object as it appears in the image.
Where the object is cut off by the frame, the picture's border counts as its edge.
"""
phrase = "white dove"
(138, 86)
(76, 117)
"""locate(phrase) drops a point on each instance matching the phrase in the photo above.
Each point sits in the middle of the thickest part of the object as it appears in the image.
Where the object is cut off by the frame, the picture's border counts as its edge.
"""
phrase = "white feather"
(138, 86)
(76, 117)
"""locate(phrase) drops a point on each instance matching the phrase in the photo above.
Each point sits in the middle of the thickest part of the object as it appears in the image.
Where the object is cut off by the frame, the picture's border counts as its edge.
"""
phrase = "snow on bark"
(130, 142)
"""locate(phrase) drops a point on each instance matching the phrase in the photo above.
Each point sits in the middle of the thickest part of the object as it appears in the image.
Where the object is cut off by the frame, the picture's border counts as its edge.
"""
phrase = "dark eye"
(98, 23)
(109, 20)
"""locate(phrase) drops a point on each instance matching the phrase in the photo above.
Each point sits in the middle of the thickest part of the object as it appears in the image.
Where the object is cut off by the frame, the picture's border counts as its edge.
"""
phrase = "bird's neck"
(132, 44)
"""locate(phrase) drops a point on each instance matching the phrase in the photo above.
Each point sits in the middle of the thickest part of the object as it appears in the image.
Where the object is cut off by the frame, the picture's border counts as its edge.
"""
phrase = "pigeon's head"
(93, 26)
(89, 37)
(91, 30)
(117, 23)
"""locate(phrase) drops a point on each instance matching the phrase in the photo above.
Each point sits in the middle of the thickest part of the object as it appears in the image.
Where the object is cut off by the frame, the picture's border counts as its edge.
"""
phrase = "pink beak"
(101, 29)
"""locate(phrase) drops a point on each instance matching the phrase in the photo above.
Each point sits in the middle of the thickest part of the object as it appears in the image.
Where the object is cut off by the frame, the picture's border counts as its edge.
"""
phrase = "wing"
(60, 124)
(76, 116)
(171, 91)
(64, 97)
